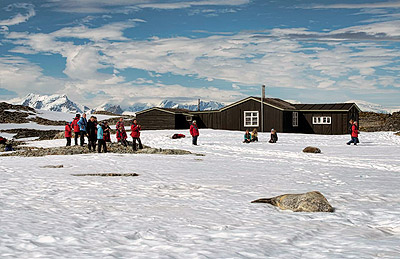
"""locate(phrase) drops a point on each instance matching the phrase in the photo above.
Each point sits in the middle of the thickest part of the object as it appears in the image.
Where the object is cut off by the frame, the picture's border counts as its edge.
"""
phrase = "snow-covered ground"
(199, 206)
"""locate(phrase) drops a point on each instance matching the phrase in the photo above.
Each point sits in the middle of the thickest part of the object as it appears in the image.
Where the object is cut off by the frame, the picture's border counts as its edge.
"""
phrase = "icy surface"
(29, 125)
(199, 206)
(64, 116)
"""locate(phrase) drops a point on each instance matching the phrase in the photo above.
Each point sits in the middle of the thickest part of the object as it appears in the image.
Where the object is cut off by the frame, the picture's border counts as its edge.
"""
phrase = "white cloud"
(276, 58)
(127, 6)
(389, 4)
(19, 75)
(19, 18)
(113, 31)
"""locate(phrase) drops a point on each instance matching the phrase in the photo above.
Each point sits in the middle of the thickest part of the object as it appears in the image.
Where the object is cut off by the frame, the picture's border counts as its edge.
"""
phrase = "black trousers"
(68, 141)
(82, 133)
(76, 138)
(134, 147)
(92, 143)
(101, 144)
(194, 140)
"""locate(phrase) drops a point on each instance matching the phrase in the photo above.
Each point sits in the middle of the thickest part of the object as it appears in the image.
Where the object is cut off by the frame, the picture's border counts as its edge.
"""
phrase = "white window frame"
(322, 120)
(250, 114)
(295, 119)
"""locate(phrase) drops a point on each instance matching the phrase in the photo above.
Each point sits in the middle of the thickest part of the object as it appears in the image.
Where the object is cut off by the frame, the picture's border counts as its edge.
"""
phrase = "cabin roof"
(167, 110)
(326, 107)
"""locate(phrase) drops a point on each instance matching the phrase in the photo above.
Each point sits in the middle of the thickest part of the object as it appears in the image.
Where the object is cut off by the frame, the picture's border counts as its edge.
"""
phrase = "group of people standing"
(99, 133)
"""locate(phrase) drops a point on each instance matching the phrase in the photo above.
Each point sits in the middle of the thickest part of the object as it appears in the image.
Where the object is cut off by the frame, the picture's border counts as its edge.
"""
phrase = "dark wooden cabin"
(246, 114)
(329, 119)
(164, 118)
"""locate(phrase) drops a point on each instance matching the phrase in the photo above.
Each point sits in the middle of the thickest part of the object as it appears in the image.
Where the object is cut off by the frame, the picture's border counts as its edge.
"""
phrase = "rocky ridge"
(77, 150)
(371, 121)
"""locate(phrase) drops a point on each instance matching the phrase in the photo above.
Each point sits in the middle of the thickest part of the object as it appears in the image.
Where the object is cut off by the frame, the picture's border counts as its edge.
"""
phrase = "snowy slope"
(373, 107)
(59, 103)
(204, 106)
(199, 206)
(109, 107)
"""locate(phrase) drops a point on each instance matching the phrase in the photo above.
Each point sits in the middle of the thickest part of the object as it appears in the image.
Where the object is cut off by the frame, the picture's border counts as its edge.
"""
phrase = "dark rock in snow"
(312, 150)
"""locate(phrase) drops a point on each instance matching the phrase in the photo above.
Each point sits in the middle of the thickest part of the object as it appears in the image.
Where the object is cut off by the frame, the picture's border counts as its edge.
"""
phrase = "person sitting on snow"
(254, 135)
(274, 136)
(247, 137)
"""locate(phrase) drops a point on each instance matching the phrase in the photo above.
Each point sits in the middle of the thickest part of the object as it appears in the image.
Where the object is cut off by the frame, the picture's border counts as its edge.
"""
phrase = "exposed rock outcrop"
(76, 150)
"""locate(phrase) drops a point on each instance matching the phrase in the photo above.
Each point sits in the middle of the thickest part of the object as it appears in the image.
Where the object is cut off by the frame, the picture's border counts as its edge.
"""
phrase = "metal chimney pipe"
(262, 107)
(198, 105)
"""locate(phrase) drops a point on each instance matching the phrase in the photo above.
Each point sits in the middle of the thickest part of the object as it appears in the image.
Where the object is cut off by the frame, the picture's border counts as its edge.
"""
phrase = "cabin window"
(189, 118)
(322, 120)
(251, 118)
(295, 119)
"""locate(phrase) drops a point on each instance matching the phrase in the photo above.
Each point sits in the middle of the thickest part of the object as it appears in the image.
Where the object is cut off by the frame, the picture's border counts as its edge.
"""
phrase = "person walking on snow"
(75, 126)
(68, 133)
(136, 135)
(194, 131)
(354, 134)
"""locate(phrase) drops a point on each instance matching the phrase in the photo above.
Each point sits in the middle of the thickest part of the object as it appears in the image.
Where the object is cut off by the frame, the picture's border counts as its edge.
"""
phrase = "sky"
(143, 51)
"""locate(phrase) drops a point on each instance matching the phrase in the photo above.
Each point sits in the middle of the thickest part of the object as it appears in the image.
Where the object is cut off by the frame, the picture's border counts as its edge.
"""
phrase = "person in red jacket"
(136, 135)
(121, 133)
(75, 126)
(354, 134)
(194, 131)
(68, 133)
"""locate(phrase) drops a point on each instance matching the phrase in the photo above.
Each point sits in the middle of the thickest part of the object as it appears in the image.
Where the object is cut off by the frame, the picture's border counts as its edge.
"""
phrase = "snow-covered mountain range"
(58, 103)
(61, 103)
(373, 107)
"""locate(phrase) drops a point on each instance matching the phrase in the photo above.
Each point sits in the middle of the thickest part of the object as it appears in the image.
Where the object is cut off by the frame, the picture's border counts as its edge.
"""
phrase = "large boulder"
(304, 202)
(312, 150)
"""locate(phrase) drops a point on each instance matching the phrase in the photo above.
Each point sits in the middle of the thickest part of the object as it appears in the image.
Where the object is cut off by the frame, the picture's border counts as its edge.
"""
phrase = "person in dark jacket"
(135, 128)
(194, 131)
(274, 136)
(75, 127)
(82, 123)
(100, 139)
(247, 137)
(107, 132)
(91, 129)
(121, 133)
(68, 133)
(354, 134)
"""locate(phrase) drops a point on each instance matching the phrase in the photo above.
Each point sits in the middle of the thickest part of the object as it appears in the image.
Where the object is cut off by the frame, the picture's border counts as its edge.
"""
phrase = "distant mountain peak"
(55, 102)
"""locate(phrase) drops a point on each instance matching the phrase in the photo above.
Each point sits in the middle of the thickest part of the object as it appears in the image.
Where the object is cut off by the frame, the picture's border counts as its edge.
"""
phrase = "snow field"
(199, 206)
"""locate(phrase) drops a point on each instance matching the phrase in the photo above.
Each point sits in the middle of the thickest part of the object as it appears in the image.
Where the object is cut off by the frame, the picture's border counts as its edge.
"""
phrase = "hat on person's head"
(272, 129)
(78, 115)
(194, 121)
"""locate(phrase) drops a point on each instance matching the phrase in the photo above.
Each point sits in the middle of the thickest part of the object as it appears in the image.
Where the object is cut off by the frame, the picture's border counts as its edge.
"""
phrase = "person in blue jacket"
(82, 123)
(247, 137)
(100, 139)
